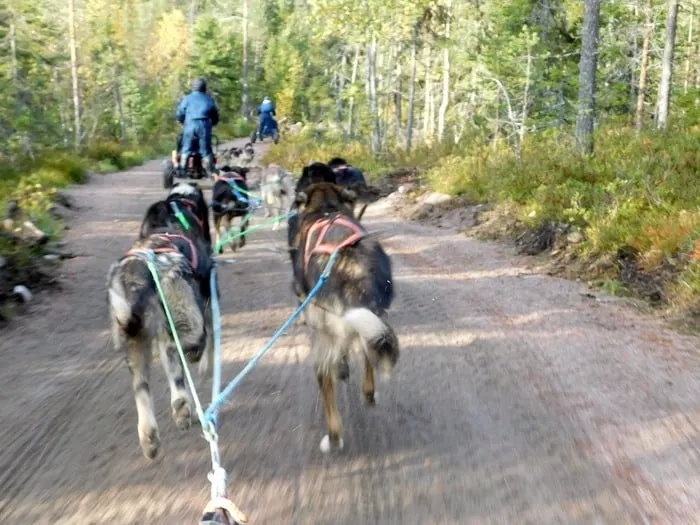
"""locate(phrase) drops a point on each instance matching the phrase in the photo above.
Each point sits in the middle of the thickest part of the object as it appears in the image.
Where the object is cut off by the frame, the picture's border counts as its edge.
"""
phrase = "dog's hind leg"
(278, 208)
(368, 383)
(325, 374)
(266, 205)
(226, 221)
(244, 227)
(139, 360)
(217, 233)
(334, 439)
(206, 364)
(179, 398)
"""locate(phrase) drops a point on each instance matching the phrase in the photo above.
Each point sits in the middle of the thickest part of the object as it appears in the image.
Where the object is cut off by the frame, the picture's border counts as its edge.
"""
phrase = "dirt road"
(516, 398)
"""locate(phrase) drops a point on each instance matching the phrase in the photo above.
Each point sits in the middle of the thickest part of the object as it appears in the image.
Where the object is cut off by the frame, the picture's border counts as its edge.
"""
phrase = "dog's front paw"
(150, 442)
(182, 414)
(327, 445)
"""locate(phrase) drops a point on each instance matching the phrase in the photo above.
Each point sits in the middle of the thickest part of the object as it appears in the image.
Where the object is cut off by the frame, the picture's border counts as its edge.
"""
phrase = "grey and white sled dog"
(138, 321)
(277, 190)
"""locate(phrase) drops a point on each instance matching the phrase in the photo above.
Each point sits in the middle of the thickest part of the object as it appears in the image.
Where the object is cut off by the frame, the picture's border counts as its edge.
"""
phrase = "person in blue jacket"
(266, 110)
(198, 114)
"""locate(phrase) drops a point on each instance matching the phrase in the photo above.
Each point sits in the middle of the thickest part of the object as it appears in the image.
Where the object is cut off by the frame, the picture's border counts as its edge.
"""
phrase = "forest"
(581, 113)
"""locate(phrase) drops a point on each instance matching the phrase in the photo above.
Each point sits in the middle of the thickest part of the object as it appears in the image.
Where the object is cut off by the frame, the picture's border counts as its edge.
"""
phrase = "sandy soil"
(517, 398)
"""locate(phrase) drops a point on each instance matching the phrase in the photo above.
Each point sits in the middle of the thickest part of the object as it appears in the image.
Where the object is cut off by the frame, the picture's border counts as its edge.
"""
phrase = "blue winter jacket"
(267, 109)
(197, 106)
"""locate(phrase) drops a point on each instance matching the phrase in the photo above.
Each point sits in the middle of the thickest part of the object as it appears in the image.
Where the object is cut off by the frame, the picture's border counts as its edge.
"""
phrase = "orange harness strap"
(324, 225)
(136, 251)
(169, 249)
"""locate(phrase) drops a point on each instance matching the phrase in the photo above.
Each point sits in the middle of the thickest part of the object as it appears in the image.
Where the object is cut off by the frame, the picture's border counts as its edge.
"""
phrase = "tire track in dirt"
(629, 492)
(43, 441)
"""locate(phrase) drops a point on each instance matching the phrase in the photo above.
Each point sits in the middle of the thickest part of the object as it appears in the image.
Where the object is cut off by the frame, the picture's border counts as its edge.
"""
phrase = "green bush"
(72, 168)
(637, 192)
(106, 153)
(239, 128)
(133, 157)
(296, 151)
(34, 185)
(109, 156)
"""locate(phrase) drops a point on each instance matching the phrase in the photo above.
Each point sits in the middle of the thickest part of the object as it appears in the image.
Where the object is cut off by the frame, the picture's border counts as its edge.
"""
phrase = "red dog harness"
(230, 176)
(323, 226)
(169, 249)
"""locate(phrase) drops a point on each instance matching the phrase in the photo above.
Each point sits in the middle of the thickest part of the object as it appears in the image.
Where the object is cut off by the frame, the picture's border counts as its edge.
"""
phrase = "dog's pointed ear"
(303, 181)
(300, 198)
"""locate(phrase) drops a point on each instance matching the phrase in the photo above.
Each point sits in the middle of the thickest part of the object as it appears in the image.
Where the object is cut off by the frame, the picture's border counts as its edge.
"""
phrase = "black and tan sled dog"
(350, 309)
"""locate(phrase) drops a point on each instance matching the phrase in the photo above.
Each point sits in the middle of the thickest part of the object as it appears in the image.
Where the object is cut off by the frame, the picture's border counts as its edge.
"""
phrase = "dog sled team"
(175, 234)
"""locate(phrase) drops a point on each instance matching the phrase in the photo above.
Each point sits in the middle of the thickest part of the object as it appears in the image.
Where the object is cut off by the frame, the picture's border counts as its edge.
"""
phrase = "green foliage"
(235, 129)
(513, 78)
(109, 153)
(636, 192)
(216, 56)
(108, 156)
(48, 172)
(295, 152)
(685, 292)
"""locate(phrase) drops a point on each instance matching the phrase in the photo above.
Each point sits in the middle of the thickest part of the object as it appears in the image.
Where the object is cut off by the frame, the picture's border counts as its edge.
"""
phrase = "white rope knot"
(230, 508)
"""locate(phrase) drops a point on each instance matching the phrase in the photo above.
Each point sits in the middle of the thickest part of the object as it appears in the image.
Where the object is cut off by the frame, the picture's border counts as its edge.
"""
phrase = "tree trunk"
(587, 76)
(689, 51)
(258, 61)
(431, 112)
(63, 113)
(13, 52)
(412, 89)
(648, 30)
(244, 90)
(426, 96)
(385, 66)
(340, 87)
(445, 77)
(634, 51)
(398, 100)
(74, 72)
(120, 112)
(372, 90)
(353, 79)
(497, 123)
(193, 12)
(116, 89)
(667, 66)
(526, 96)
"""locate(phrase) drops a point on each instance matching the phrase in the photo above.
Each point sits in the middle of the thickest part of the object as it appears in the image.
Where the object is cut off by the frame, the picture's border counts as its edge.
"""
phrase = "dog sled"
(194, 169)
(269, 129)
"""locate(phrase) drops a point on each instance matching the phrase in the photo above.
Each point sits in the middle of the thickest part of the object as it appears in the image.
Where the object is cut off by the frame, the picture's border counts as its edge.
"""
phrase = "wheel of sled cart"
(168, 174)
(276, 136)
(253, 137)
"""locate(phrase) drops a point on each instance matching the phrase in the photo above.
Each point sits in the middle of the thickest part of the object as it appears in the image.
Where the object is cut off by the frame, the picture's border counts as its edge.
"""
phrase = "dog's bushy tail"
(128, 308)
(134, 312)
(381, 343)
